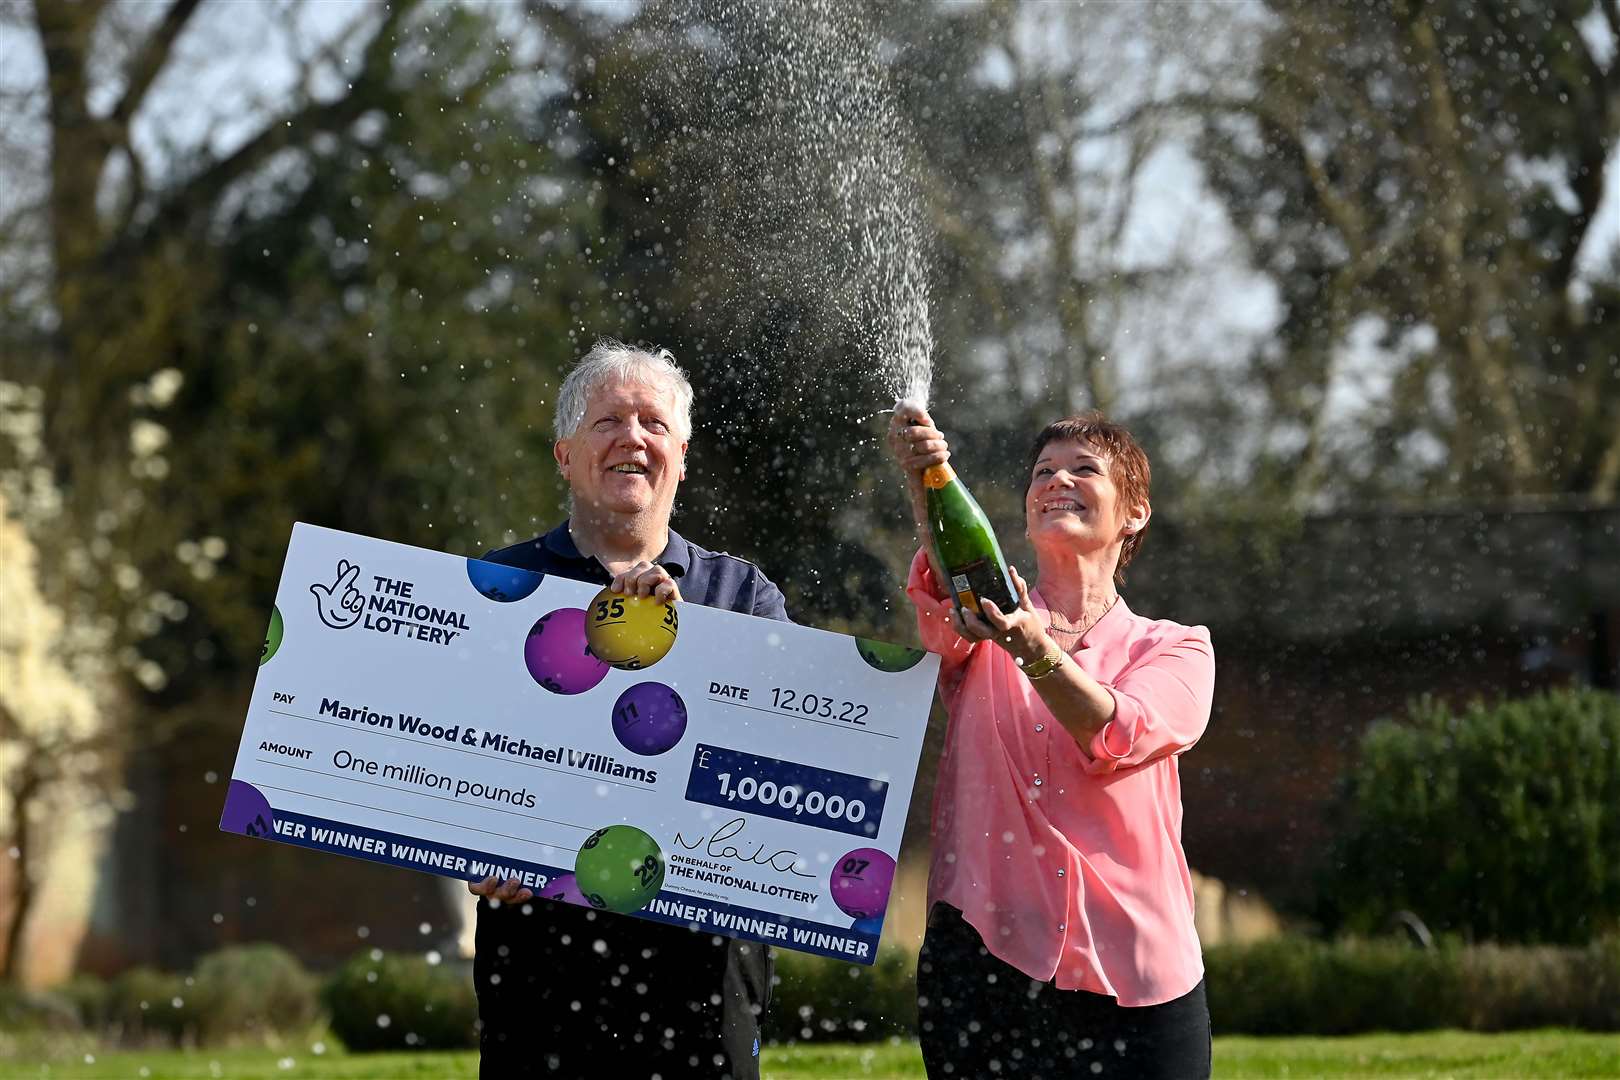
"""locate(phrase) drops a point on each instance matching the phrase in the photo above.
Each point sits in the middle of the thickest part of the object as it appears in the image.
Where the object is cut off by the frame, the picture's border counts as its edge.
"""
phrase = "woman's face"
(1071, 502)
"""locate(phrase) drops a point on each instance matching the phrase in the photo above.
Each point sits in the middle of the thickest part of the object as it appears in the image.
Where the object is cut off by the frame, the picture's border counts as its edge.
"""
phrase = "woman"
(1060, 934)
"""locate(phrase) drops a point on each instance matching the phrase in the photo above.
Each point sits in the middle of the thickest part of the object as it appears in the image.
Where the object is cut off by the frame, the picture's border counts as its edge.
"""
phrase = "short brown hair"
(1127, 465)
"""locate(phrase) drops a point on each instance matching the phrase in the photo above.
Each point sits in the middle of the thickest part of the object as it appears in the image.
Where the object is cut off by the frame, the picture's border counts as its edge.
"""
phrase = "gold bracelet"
(1040, 669)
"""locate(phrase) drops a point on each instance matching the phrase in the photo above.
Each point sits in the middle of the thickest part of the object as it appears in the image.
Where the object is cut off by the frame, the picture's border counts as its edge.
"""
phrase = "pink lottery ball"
(861, 882)
(564, 888)
(557, 656)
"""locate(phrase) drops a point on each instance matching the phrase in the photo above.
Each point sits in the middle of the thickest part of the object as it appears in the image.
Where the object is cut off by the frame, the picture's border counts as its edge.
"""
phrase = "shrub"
(1504, 989)
(1293, 986)
(1497, 823)
(252, 990)
(1284, 986)
(36, 1010)
(815, 998)
(144, 1004)
(89, 997)
(381, 1001)
(1289, 986)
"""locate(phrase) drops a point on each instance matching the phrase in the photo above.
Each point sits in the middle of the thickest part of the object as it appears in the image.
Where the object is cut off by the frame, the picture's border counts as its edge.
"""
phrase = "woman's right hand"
(915, 443)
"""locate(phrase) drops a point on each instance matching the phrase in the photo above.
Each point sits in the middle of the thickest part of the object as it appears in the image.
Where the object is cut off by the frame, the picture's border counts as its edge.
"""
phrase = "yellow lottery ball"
(630, 632)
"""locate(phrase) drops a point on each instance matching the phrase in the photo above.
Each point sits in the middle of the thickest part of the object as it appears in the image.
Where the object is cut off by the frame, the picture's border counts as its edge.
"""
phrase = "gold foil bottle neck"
(937, 476)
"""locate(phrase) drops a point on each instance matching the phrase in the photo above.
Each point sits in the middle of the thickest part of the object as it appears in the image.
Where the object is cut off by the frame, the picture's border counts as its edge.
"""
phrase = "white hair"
(614, 361)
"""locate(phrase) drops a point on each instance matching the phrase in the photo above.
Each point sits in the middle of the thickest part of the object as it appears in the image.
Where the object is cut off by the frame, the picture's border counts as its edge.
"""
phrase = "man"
(565, 990)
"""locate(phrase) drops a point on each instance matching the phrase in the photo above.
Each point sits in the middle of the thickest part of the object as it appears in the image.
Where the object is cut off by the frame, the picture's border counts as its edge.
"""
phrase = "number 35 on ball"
(630, 632)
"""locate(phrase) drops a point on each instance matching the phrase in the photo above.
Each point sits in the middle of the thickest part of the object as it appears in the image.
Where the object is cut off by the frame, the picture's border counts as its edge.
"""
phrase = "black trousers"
(982, 1017)
(566, 991)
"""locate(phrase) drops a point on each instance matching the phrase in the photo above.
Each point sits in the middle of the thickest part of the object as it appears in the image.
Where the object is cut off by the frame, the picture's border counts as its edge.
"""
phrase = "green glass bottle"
(965, 543)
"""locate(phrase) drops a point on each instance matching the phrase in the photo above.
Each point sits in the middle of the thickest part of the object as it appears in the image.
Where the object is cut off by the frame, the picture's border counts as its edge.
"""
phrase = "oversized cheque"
(734, 774)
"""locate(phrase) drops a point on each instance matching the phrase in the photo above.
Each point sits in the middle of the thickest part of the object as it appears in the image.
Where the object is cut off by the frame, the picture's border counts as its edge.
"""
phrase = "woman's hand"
(915, 442)
(1021, 631)
(917, 445)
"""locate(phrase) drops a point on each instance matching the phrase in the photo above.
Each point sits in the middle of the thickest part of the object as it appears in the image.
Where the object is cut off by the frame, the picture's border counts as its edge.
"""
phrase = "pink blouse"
(1066, 858)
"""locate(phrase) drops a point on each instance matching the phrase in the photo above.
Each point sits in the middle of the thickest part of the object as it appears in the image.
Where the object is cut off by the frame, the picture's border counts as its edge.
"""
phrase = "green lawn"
(1433, 1054)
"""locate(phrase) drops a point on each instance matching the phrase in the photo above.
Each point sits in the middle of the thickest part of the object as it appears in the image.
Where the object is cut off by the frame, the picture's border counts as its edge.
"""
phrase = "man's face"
(628, 454)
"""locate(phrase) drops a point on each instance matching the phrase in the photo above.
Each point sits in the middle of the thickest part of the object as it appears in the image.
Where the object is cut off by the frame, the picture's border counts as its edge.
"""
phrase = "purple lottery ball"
(649, 718)
(565, 889)
(860, 882)
(557, 656)
(247, 811)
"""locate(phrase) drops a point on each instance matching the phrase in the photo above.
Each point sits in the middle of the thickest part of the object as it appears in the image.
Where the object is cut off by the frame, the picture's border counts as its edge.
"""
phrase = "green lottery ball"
(886, 656)
(272, 637)
(620, 866)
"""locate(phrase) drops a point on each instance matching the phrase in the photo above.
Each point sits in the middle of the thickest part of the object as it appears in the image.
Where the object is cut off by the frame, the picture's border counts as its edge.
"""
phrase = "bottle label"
(980, 580)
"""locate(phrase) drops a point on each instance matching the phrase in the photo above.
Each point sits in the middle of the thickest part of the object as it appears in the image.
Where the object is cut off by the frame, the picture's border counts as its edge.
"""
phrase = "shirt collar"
(676, 556)
(1114, 621)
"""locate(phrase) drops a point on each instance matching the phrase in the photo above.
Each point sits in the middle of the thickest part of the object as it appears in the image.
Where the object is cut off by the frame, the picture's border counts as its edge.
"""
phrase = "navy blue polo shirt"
(694, 993)
(710, 578)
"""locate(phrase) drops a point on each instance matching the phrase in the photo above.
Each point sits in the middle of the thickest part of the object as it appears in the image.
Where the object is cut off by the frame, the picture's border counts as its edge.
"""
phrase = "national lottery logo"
(340, 604)
(389, 607)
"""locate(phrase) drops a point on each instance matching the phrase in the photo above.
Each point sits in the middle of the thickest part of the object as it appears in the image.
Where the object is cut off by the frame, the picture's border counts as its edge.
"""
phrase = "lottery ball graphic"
(247, 811)
(503, 584)
(860, 883)
(630, 632)
(564, 889)
(272, 637)
(886, 656)
(649, 718)
(619, 868)
(557, 656)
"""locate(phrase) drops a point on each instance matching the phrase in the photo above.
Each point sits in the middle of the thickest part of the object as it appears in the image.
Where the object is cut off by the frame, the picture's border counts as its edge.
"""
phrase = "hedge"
(1287, 986)
(391, 1001)
(1294, 986)
(1500, 822)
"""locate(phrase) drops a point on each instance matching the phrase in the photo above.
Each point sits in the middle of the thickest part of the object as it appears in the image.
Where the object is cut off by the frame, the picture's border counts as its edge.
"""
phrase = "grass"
(1546, 1053)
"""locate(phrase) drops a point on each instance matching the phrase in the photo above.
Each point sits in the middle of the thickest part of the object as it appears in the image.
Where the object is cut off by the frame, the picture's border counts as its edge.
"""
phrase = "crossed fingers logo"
(340, 603)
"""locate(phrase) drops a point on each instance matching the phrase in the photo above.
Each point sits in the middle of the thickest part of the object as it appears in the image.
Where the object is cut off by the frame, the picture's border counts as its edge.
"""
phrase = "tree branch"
(1593, 139)
(149, 61)
(1194, 104)
(567, 28)
(1464, 319)
(201, 191)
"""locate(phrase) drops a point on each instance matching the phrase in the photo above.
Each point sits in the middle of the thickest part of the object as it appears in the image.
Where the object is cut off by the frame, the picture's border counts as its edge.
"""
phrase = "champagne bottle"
(965, 544)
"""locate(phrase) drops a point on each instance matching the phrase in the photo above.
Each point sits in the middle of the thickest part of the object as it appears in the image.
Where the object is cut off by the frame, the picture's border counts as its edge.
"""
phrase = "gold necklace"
(1077, 631)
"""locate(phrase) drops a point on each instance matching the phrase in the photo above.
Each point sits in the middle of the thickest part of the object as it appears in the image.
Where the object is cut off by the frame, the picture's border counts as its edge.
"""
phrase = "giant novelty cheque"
(678, 763)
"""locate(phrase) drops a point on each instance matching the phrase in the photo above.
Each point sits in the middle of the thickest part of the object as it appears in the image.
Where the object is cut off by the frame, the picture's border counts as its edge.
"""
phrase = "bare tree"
(1422, 181)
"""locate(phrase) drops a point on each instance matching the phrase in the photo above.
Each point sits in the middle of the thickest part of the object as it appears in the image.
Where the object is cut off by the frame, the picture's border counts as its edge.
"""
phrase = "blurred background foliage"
(1497, 821)
(327, 263)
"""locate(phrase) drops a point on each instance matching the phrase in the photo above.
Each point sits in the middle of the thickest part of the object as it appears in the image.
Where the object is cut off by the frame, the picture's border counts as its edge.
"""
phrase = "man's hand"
(646, 579)
(512, 891)
(339, 604)
(1020, 632)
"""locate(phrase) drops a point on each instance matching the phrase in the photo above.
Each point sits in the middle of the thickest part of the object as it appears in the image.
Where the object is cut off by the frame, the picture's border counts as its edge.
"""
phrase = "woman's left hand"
(1020, 631)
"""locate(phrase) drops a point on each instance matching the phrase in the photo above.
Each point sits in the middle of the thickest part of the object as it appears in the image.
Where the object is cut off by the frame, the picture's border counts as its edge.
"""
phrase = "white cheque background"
(480, 680)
